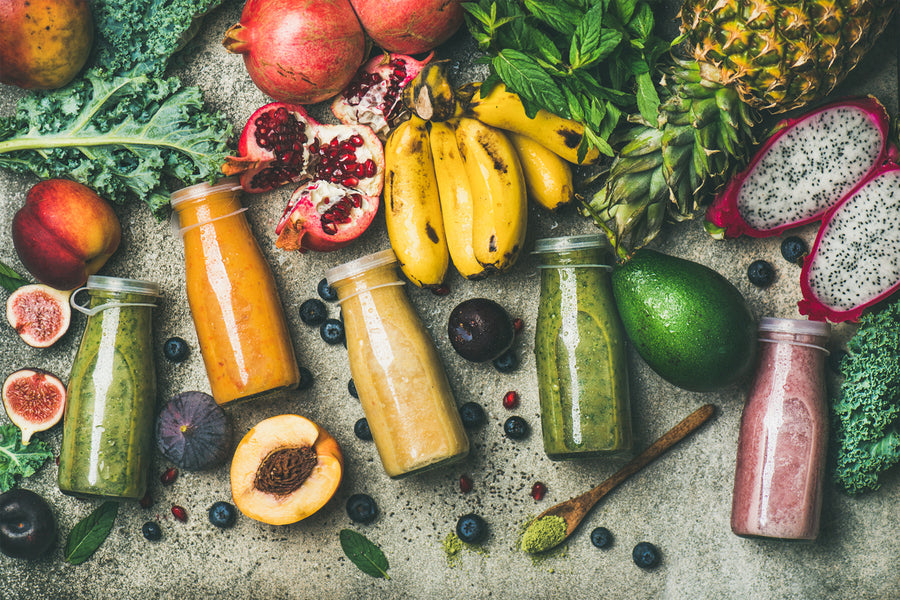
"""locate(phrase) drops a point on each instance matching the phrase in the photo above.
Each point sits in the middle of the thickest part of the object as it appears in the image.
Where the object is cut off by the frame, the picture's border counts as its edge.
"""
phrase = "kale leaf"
(17, 460)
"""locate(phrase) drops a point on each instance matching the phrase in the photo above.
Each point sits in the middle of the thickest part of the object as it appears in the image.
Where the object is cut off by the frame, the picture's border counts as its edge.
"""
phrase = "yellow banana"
(503, 109)
(457, 205)
(412, 207)
(498, 189)
(547, 175)
(430, 94)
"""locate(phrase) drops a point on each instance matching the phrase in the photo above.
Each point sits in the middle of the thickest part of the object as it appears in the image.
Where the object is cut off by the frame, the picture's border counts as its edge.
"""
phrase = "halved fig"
(285, 469)
(193, 432)
(34, 400)
(39, 313)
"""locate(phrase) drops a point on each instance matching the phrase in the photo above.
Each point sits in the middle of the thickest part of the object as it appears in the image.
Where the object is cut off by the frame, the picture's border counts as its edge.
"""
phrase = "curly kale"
(866, 429)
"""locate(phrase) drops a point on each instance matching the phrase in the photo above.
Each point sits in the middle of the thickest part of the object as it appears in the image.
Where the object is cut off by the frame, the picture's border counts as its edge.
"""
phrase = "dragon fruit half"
(807, 166)
(855, 260)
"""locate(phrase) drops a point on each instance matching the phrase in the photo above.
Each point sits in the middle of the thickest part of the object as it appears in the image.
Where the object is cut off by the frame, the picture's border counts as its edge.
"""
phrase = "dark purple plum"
(27, 524)
(480, 329)
(193, 432)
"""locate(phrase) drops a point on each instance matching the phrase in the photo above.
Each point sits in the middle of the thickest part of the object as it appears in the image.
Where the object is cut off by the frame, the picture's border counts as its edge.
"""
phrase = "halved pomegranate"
(372, 97)
(341, 167)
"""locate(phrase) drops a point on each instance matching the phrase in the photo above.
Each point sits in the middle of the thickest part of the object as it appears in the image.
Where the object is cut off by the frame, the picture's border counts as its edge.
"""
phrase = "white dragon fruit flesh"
(855, 260)
(807, 166)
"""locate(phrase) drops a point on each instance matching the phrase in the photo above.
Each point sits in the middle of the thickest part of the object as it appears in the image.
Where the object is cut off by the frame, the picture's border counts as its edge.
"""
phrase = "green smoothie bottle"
(108, 424)
(579, 347)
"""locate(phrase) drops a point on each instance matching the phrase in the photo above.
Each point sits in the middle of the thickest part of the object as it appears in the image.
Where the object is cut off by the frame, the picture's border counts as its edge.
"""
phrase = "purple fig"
(193, 432)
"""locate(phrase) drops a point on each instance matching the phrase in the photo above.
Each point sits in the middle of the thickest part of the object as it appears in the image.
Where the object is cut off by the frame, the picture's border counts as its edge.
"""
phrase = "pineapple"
(748, 56)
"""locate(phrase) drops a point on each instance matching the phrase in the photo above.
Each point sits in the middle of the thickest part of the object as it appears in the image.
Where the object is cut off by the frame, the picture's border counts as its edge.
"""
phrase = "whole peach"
(64, 233)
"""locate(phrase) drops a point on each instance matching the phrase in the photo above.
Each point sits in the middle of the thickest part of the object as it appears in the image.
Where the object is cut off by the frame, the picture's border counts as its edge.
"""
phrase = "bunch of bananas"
(458, 174)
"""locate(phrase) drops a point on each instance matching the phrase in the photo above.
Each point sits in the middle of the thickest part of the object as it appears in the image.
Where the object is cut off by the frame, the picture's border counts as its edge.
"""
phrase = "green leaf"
(364, 554)
(17, 460)
(90, 533)
(641, 24)
(524, 75)
(558, 15)
(586, 40)
(625, 8)
(9, 279)
(647, 98)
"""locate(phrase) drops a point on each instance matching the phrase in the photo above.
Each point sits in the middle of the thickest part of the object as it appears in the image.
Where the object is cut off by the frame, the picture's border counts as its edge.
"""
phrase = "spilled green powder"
(543, 534)
(453, 547)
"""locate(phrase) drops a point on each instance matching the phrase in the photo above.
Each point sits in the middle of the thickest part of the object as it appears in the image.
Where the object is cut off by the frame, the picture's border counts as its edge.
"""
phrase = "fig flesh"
(39, 313)
(193, 432)
(34, 401)
(27, 524)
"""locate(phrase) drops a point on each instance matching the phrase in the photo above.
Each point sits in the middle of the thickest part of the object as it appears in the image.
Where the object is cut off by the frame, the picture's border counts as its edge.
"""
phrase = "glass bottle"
(397, 371)
(108, 423)
(784, 428)
(234, 302)
(579, 347)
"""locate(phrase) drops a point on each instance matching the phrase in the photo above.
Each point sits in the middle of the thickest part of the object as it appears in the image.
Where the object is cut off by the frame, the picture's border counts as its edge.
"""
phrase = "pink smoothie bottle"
(784, 428)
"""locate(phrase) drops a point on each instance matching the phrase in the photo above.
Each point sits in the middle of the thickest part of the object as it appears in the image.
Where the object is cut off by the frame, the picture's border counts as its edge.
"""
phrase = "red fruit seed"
(169, 476)
(510, 400)
(538, 490)
(441, 290)
(465, 484)
(147, 500)
(179, 513)
(518, 325)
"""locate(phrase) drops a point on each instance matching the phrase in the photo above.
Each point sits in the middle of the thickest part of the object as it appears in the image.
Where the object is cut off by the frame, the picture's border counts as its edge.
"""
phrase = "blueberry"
(332, 331)
(351, 387)
(313, 312)
(601, 537)
(645, 555)
(362, 431)
(361, 508)
(472, 415)
(794, 249)
(306, 378)
(506, 362)
(761, 273)
(222, 514)
(176, 349)
(326, 292)
(152, 531)
(471, 528)
(515, 428)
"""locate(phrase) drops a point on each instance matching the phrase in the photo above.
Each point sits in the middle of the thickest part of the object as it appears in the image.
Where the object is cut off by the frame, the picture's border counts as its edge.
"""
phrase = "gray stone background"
(681, 503)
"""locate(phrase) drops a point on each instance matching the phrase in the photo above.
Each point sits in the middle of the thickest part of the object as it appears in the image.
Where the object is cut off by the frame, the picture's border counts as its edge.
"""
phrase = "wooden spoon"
(574, 510)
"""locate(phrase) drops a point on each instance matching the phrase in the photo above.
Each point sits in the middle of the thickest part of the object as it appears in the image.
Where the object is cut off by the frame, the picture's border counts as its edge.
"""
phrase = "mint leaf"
(586, 40)
(625, 8)
(90, 533)
(9, 279)
(641, 24)
(364, 554)
(558, 15)
(17, 460)
(526, 77)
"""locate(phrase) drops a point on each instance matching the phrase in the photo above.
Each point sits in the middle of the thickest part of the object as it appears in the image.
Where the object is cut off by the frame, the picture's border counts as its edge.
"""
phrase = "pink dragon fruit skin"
(864, 117)
(855, 259)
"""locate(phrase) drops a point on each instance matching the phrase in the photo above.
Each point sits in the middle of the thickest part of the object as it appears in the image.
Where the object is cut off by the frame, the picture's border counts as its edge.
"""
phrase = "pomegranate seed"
(350, 181)
(348, 146)
(348, 157)
(356, 140)
(538, 490)
(334, 143)
(147, 500)
(510, 400)
(518, 325)
(441, 290)
(371, 168)
(356, 200)
(465, 484)
(169, 476)
(179, 513)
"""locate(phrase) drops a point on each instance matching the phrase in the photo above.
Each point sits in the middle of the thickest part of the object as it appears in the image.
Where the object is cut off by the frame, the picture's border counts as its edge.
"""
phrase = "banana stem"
(607, 230)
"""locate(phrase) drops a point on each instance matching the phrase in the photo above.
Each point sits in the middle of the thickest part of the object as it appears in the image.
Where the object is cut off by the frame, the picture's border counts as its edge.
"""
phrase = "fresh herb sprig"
(587, 60)
(90, 533)
(364, 554)
(18, 460)
(9, 279)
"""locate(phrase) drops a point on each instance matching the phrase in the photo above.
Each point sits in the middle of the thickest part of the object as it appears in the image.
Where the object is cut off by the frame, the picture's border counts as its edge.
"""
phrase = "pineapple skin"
(779, 56)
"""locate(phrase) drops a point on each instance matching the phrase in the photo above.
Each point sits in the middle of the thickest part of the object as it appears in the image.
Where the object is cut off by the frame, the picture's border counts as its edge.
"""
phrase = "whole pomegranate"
(44, 43)
(409, 26)
(301, 51)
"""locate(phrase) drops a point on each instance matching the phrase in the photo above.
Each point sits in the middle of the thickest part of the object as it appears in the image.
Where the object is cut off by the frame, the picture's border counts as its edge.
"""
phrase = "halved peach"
(285, 469)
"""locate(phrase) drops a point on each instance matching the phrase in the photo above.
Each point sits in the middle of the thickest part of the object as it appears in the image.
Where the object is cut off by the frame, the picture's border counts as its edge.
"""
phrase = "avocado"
(690, 324)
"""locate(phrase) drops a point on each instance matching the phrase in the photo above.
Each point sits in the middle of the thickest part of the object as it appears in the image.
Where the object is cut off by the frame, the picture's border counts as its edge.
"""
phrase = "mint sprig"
(364, 554)
(9, 279)
(90, 533)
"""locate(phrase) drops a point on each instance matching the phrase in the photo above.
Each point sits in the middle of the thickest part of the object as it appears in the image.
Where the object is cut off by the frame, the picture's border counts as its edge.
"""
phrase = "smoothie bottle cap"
(571, 242)
(230, 184)
(360, 265)
(796, 326)
(117, 284)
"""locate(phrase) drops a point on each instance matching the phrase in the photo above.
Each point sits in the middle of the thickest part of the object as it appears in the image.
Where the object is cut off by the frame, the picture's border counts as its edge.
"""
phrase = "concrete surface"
(681, 504)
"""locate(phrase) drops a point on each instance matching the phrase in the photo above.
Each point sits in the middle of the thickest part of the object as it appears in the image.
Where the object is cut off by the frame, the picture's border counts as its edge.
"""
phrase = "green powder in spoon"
(543, 534)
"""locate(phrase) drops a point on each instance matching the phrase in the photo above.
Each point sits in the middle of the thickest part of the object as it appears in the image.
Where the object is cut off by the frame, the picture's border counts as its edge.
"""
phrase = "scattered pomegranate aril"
(147, 500)
(538, 490)
(169, 476)
(510, 400)
(179, 513)
(518, 325)
(465, 484)
(441, 290)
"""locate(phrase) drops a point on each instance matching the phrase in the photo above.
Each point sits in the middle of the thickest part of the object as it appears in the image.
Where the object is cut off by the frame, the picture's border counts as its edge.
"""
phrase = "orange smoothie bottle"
(237, 313)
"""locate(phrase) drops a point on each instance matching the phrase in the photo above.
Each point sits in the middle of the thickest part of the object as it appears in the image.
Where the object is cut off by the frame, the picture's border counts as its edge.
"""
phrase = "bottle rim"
(796, 326)
(570, 242)
(200, 190)
(118, 284)
(360, 265)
